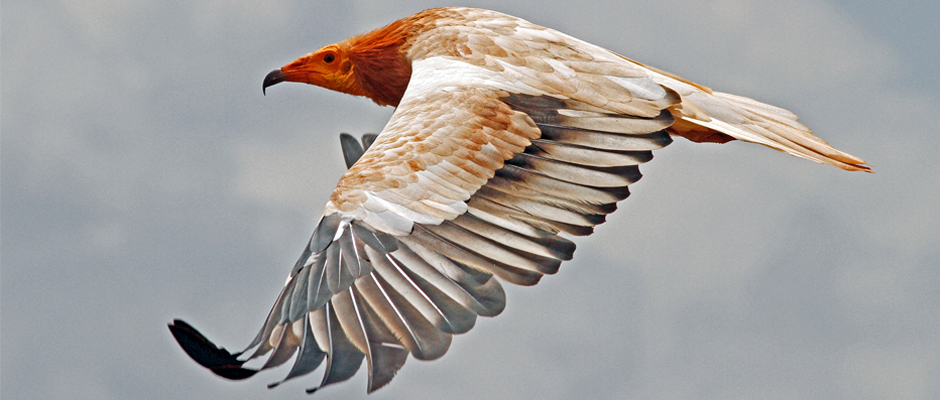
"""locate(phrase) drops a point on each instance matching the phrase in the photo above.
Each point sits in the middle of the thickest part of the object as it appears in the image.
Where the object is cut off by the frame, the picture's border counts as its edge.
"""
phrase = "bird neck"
(381, 68)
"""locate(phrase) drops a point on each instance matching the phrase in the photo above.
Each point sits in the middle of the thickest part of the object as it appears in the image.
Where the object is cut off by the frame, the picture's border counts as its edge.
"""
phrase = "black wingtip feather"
(207, 354)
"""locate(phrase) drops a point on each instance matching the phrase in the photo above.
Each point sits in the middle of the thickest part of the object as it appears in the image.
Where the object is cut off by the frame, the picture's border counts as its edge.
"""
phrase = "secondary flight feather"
(507, 138)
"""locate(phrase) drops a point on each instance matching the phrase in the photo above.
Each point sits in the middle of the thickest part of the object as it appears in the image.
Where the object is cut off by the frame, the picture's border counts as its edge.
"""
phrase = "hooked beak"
(273, 78)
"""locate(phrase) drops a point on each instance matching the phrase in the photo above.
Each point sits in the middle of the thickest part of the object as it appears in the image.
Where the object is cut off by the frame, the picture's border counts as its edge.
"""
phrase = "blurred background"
(145, 178)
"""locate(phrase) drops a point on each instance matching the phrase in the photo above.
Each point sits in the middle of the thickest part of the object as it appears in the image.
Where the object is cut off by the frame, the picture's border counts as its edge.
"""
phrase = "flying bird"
(507, 139)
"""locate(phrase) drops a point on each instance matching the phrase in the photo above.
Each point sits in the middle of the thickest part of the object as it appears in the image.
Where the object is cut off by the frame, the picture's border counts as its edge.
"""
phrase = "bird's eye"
(329, 58)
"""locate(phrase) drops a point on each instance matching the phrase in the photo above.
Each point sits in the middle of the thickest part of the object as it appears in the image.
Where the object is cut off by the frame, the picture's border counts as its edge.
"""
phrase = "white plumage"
(505, 135)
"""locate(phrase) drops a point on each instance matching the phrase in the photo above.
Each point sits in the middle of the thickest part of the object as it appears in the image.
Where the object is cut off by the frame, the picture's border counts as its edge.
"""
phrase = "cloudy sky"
(145, 178)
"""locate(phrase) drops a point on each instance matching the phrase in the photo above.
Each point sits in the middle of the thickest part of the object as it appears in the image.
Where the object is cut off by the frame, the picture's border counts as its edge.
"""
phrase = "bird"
(508, 140)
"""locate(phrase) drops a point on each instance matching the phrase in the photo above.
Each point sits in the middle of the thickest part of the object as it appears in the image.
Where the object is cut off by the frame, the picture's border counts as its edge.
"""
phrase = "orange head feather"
(373, 65)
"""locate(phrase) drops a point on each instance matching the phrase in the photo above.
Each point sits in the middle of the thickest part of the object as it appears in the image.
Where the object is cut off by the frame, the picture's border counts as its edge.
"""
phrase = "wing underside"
(358, 294)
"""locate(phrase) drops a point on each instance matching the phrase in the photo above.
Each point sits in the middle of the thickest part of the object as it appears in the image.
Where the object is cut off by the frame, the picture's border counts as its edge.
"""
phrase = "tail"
(721, 117)
(708, 116)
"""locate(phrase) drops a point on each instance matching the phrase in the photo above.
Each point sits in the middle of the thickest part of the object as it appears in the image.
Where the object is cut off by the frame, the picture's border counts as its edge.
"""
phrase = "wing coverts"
(358, 294)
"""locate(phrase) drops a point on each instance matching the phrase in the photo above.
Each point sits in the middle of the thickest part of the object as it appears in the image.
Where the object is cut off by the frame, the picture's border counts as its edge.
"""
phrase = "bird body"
(505, 135)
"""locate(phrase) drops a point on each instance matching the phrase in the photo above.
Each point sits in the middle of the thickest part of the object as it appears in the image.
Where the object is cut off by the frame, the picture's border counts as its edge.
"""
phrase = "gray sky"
(145, 178)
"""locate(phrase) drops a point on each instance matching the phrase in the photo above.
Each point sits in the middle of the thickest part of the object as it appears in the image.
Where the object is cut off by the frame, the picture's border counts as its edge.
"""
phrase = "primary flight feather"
(505, 134)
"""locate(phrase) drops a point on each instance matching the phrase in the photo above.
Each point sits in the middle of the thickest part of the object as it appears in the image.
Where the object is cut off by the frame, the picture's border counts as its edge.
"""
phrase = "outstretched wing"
(472, 180)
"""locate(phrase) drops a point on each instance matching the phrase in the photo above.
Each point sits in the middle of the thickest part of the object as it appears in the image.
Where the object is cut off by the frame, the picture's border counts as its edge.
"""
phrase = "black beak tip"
(273, 78)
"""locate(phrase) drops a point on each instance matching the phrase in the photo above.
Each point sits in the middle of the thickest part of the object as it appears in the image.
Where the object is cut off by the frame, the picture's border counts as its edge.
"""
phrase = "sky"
(144, 177)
